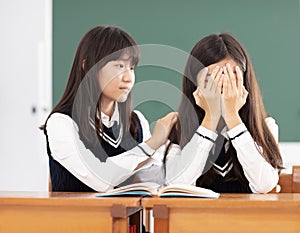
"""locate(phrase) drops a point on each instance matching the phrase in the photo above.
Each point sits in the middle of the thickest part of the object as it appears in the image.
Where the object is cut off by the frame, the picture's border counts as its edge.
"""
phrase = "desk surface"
(65, 212)
(229, 200)
(64, 198)
(265, 213)
(229, 213)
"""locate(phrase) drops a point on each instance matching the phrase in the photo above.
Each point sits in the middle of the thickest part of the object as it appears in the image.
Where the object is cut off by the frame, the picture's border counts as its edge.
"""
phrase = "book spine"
(132, 229)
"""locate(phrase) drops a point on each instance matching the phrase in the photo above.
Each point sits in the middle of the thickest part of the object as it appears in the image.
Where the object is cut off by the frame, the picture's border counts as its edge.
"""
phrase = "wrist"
(210, 122)
(233, 120)
(152, 144)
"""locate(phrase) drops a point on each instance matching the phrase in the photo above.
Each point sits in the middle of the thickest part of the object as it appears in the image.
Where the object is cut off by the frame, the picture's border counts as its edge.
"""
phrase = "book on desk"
(149, 189)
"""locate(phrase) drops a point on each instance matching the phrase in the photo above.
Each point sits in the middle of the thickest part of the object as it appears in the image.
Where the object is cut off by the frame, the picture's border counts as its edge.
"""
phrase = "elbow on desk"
(264, 187)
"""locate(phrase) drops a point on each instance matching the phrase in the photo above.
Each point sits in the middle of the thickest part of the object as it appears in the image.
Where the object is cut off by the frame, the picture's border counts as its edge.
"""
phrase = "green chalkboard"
(269, 29)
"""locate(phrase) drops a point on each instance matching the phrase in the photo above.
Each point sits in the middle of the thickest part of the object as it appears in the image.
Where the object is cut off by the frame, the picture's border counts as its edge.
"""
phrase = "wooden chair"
(296, 179)
(49, 183)
(289, 183)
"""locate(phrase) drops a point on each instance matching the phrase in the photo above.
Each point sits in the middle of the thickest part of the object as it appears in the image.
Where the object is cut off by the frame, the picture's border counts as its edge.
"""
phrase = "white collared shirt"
(64, 142)
(182, 166)
(110, 121)
(261, 175)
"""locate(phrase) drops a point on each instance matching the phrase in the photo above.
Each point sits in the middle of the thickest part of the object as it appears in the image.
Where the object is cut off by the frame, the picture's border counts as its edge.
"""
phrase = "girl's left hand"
(234, 95)
(162, 130)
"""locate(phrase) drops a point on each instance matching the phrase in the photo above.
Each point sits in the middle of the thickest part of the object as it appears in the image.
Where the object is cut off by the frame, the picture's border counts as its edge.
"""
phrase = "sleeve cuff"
(207, 133)
(146, 149)
(236, 130)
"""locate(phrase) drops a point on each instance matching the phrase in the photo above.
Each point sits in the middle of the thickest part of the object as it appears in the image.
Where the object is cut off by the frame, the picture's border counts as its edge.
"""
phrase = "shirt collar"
(114, 118)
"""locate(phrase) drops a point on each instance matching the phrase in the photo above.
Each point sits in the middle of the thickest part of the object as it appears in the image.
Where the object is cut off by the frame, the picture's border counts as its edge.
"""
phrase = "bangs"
(112, 43)
(134, 55)
(131, 53)
(124, 44)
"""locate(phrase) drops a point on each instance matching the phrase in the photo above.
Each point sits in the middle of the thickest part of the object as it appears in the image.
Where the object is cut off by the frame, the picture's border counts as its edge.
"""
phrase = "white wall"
(25, 61)
(290, 152)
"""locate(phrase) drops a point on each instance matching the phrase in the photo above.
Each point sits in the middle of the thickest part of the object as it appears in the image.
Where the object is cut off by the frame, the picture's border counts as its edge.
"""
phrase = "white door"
(25, 93)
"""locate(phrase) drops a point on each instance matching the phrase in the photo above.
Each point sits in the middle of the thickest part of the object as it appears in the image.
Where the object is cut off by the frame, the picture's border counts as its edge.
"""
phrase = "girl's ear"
(83, 64)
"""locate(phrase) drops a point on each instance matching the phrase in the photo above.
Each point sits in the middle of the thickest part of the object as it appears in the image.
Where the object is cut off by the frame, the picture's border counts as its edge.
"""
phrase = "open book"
(149, 189)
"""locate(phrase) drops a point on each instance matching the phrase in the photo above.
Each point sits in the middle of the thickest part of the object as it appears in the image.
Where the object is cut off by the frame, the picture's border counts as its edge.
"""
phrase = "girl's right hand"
(234, 96)
(208, 95)
(162, 130)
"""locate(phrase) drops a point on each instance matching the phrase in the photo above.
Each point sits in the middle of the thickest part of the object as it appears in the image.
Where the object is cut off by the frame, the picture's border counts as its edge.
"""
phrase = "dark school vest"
(222, 175)
(62, 180)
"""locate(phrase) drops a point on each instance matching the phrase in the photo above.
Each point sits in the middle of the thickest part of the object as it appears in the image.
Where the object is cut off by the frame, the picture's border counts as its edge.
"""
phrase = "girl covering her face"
(241, 153)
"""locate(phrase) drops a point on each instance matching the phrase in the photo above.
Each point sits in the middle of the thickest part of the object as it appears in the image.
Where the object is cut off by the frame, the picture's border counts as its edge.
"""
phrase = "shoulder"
(144, 124)
(59, 118)
(270, 120)
(271, 123)
(143, 121)
(60, 123)
(141, 117)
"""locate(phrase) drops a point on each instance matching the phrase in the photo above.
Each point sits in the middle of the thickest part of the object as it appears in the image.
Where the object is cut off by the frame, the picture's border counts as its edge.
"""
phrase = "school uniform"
(183, 166)
(69, 155)
(259, 175)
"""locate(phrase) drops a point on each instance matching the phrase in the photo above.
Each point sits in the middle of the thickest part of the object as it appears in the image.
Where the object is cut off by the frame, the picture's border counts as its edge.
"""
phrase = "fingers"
(230, 72)
(215, 71)
(201, 77)
(208, 81)
(174, 119)
(225, 85)
(170, 115)
(240, 80)
(170, 119)
(196, 93)
(236, 80)
(218, 81)
(230, 76)
(245, 94)
(214, 78)
(199, 99)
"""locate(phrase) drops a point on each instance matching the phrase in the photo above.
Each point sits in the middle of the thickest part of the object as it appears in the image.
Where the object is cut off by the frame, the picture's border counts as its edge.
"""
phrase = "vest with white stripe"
(224, 172)
(62, 180)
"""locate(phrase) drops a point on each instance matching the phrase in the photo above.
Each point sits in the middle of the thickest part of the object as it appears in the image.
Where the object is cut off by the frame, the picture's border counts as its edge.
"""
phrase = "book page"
(146, 186)
(186, 190)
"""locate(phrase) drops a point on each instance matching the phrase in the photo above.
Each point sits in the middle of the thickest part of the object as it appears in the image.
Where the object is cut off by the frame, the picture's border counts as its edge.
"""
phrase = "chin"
(122, 99)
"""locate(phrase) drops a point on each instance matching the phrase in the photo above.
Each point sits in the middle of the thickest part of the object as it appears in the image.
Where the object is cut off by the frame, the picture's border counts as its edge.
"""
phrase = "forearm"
(210, 121)
(86, 167)
(186, 165)
(261, 175)
(67, 148)
(232, 120)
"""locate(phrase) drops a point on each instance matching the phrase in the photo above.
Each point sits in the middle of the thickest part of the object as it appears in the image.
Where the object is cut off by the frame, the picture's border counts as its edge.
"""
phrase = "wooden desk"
(66, 212)
(230, 213)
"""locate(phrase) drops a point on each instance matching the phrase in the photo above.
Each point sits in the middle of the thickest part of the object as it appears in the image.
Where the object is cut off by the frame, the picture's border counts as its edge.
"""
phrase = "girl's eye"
(132, 67)
(121, 65)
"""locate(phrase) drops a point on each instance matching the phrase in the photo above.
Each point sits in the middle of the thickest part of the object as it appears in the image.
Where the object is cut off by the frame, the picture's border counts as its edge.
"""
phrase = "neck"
(107, 107)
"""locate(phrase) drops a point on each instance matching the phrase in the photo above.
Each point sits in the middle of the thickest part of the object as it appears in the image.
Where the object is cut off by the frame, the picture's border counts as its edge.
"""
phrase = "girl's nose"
(128, 75)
